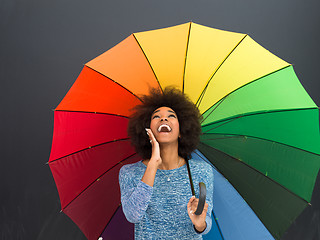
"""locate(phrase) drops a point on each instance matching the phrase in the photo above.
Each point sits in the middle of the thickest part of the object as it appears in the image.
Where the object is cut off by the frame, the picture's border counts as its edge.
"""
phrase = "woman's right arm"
(154, 161)
(135, 199)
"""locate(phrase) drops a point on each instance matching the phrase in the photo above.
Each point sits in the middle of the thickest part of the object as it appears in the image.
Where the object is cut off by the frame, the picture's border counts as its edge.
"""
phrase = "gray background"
(43, 47)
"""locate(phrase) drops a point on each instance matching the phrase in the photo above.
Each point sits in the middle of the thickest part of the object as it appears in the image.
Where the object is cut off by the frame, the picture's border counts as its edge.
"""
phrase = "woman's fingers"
(147, 131)
(155, 155)
(193, 204)
(189, 205)
(205, 209)
(206, 206)
(197, 220)
(151, 136)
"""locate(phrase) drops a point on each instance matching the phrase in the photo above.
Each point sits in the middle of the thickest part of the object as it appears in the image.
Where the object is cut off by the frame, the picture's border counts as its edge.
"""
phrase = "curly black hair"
(188, 116)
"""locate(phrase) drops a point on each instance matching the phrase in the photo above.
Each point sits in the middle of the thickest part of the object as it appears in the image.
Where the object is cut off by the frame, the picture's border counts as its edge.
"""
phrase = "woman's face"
(165, 125)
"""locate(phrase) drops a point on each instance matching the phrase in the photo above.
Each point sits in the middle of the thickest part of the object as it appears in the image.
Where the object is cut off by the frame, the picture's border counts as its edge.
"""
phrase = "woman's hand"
(155, 154)
(199, 221)
(154, 161)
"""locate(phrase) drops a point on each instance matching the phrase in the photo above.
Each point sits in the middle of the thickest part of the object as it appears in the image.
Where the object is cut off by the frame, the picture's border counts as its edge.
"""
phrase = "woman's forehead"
(165, 109)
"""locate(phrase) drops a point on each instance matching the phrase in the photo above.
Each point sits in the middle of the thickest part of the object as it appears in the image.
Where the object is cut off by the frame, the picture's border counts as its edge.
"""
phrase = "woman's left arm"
(203, 222)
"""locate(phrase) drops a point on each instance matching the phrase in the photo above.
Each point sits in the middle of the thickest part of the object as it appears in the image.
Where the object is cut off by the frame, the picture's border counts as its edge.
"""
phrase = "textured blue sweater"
(160, 212)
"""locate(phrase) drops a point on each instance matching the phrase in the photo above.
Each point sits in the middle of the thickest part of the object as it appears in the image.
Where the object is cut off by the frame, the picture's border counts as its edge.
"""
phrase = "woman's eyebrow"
(171, 111)
(155, 111)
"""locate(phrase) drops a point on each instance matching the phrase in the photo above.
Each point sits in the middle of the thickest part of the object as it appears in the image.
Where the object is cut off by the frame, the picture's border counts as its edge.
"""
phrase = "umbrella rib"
(218, 225)
(111, 114)
(223, 98)
(185, 59)
(198, 102)
(213, 109)
(110, 219)
(223, 122)
(255, 171)
(114, 82)
(147, 61)
(230, 119)
(246, 136)
(100, 144)
(97, 179)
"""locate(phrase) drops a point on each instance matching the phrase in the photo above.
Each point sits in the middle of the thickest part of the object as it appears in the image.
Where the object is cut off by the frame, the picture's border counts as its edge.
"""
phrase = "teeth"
(164, 126)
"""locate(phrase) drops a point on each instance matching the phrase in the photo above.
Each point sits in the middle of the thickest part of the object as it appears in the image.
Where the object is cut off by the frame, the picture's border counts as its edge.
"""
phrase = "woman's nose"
(164, 119)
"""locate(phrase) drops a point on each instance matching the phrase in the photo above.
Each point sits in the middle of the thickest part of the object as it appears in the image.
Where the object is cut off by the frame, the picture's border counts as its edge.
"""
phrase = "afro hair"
(188, 116)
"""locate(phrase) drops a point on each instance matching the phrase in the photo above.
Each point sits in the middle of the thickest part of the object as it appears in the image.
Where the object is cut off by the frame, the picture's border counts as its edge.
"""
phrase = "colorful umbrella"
(260, 127)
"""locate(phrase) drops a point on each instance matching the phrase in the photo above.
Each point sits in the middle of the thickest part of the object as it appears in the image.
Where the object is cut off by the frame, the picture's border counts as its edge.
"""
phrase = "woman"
(155, 192)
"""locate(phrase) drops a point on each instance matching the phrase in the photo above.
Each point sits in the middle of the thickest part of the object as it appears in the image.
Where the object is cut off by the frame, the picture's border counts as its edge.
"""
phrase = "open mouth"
(164, 128)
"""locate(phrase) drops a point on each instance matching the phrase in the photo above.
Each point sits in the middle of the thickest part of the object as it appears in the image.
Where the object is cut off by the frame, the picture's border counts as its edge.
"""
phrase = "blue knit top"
(160, 212)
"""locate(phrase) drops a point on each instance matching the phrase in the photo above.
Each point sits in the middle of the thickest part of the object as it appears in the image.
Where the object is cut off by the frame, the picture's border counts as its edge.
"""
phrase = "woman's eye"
(155, 116)
(172, 115)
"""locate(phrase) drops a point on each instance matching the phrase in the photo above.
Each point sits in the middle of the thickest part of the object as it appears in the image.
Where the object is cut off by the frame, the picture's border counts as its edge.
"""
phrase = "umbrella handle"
(202, 198)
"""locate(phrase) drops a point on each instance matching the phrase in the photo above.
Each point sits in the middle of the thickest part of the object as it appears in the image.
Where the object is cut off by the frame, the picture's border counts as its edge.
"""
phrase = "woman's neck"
(170, 157)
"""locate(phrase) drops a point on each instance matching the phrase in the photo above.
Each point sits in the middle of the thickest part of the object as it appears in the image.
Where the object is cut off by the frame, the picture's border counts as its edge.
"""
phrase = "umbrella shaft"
(190, 178)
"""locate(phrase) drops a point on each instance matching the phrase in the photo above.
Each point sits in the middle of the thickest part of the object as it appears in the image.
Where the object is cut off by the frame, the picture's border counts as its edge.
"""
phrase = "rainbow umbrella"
(260, 128)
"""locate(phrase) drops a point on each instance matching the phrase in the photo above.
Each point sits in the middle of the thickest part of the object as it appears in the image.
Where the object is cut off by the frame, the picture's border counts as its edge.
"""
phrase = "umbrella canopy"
(260, 127)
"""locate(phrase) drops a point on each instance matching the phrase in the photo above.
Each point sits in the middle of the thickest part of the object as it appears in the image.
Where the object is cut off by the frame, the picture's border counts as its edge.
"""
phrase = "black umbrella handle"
(202, 194)
(202, 198)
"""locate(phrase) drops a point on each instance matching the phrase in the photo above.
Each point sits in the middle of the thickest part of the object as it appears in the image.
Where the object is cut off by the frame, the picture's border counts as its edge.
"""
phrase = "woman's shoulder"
(199, 163)
(201, 166)
(131, 168)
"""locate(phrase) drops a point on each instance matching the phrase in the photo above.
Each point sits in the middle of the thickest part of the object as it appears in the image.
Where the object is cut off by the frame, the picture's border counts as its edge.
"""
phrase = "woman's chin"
(167, 141)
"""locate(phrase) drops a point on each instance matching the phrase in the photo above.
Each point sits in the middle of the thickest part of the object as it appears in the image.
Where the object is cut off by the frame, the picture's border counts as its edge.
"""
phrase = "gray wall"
(43, 47)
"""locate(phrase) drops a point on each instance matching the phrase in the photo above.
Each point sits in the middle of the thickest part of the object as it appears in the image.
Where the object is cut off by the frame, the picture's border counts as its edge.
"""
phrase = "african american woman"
(155, 192)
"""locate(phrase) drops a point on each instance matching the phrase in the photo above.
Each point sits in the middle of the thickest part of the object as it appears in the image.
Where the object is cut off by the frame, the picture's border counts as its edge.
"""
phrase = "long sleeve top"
(160, 212)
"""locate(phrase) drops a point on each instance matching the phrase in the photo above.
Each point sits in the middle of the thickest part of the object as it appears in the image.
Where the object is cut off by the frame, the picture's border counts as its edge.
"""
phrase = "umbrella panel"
(127, 65)
(293, 168)
(274, 205)
(74, 173)
(165, 50)
(280, 90)
(79, 131)
(99, 202)
(95, 93)
(207, 50)
(118, 228)
(297, 128)
(233, 219)
(248, 62)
